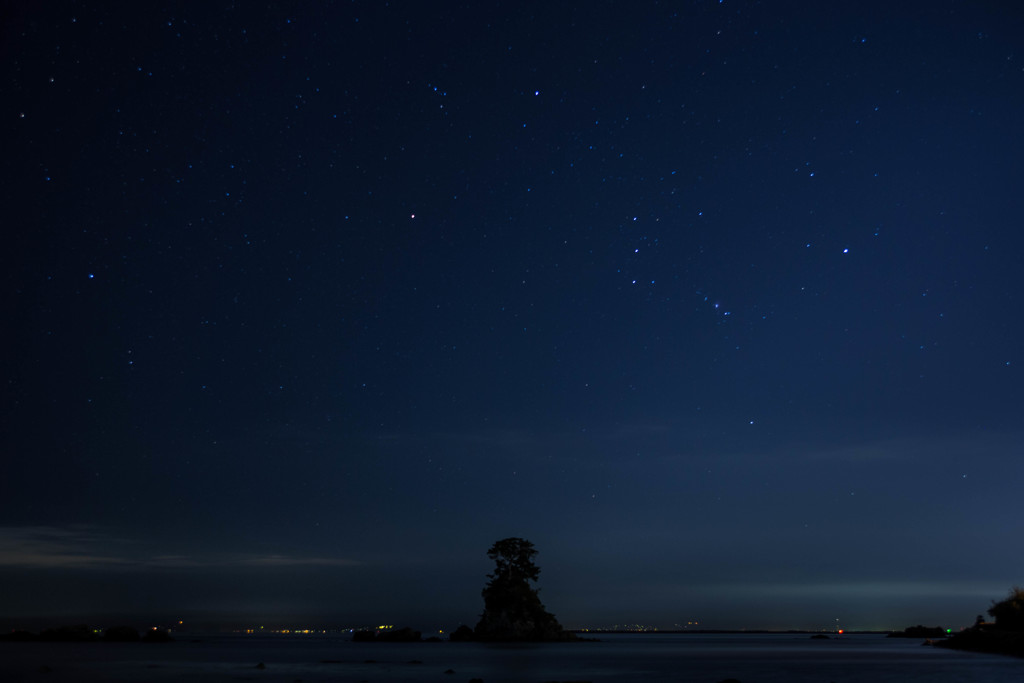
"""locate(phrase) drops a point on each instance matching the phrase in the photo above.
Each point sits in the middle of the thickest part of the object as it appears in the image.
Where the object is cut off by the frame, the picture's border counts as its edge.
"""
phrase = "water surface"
(680, 658)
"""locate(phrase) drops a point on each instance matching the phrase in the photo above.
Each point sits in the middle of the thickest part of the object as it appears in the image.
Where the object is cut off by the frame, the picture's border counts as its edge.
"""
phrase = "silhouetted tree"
(512, 608)
(1009, 613)
(513, 561)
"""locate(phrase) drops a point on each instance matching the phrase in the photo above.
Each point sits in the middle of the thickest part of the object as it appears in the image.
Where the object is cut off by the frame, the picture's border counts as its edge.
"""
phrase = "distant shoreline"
(97, 636)
(730, 632)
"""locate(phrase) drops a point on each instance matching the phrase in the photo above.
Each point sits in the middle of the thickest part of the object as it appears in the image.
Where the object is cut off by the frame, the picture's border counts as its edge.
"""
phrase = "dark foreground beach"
(648, 657)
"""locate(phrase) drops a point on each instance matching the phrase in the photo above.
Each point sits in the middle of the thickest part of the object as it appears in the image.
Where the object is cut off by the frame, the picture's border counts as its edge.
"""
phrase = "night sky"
(718, 303)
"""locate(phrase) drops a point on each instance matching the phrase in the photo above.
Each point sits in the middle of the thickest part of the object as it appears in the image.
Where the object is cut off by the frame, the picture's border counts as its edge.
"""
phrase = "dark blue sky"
(718, 303)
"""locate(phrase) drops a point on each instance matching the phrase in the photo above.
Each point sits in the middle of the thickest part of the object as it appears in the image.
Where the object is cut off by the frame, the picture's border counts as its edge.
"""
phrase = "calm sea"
(642, 657)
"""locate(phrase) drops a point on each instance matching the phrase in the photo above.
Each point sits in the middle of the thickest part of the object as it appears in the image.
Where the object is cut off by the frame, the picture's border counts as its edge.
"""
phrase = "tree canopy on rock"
(512, 608)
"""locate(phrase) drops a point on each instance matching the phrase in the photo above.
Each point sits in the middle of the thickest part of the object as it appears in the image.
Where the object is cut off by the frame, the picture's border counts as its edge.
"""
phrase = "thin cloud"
(871, 589)
(55, 547)
(292, 561)
(51, 547)
(930, 447)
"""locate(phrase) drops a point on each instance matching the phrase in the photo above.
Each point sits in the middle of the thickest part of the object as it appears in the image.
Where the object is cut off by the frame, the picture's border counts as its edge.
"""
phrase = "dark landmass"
(462, 634)
(920, 631)
(1004, 637)
(402, 635)
(987, 640)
